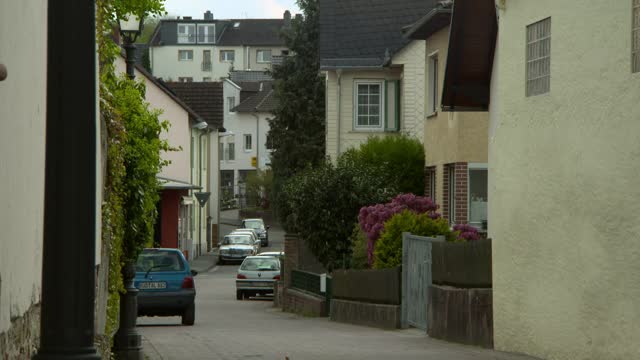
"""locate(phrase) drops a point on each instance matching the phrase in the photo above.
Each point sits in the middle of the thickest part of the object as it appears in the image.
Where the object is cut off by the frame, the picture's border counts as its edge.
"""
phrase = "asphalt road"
(228, 329)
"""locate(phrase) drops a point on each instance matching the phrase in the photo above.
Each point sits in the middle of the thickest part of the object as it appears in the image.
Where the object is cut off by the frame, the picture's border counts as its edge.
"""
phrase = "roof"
(365, 33)
(249, 75)
(172, 184)
(163, 87)
(252, 32)
(472, 41)
(263, 101)
(437, 19)
(204, 97)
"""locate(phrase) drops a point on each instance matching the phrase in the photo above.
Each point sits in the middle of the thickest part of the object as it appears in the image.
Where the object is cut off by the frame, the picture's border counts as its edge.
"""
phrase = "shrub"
(399, 158)
(388, 250)
(372, 218)
(359, 257)
(465, 232)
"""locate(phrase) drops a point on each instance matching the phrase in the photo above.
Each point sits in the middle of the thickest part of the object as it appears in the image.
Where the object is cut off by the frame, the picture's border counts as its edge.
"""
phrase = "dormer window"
(236, 25)
(206, 33)
(186, 33)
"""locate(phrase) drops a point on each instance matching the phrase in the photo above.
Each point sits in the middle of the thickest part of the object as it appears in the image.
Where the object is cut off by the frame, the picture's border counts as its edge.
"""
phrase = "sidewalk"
(205, 262)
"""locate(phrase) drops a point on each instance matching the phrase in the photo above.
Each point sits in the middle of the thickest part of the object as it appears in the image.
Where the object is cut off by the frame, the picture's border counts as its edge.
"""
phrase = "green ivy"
(133, 155)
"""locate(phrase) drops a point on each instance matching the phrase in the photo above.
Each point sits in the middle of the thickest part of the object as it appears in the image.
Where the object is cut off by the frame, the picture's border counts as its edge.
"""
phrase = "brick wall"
(303, 303)
(461, 175)
(292, 256)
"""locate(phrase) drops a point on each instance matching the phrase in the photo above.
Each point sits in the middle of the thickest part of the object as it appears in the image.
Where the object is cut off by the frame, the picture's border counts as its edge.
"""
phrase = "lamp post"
(127, 343)
(130, 28)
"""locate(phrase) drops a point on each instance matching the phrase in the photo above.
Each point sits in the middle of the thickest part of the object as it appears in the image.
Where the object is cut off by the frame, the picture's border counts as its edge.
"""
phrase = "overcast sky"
(231, 9)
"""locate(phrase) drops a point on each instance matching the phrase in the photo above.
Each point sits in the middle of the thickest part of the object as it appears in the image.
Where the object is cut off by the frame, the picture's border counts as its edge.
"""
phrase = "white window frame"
(208, 38)
(187, 58)
(635, 36)
(186, 37)
(536, 60)
(231, 103)
(248, 142)
(432, 91)
(471, 167)
(260, 59)
(225, 53)
(380, 126)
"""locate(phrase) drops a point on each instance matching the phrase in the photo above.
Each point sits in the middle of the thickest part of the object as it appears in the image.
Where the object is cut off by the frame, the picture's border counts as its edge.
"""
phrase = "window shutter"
(392, 105)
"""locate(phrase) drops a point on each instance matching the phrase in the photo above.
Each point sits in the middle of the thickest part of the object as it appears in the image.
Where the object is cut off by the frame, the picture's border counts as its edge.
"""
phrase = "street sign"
(202, 197)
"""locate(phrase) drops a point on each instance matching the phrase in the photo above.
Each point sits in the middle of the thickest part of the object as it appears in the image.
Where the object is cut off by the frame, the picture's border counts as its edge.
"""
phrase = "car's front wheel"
(239, 295)
(189, 315)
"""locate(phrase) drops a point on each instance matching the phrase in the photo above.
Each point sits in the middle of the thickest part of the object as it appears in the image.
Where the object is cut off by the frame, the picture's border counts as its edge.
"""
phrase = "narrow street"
(227, 329)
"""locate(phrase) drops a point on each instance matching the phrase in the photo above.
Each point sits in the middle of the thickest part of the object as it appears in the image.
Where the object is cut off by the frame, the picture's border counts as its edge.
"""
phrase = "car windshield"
(260, 264)
(155, 261)
(236, 240)
(253, 224)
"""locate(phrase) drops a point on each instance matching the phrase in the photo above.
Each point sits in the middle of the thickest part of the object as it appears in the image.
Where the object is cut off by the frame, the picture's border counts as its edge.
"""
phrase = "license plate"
(153, 285)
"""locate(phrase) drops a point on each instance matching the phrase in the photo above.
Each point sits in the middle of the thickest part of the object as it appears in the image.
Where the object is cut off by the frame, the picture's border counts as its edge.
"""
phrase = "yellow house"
(455, 139)
(563, 79)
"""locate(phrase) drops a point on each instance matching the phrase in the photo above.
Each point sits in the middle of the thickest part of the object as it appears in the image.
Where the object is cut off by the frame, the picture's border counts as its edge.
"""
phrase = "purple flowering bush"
(372, 218)
(466, 232)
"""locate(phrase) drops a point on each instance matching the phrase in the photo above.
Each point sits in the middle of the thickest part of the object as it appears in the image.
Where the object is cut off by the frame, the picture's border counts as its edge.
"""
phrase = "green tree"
(297, 130)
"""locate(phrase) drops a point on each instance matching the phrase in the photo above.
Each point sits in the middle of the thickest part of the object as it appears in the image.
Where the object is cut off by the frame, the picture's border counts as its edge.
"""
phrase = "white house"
(208, 49)
(247, 109)
(374, 75)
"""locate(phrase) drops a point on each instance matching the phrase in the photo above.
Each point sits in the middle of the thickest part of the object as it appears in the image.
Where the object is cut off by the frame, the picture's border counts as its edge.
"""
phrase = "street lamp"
(130, 28)
(127, 343)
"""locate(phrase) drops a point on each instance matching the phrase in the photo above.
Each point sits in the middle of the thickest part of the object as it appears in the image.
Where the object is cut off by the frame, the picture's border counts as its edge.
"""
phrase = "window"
(206, 79)
(247, 142)
(227, 55)
(539, 57)
(206, 33)
(206, 60)
(185, 55)
(368, 103)
(231, 103)
(432, 93)
(477, 196)
(185, 79)
(232, 151)
(263, 56)
(635, 36)
(186, 33)
(431, 183)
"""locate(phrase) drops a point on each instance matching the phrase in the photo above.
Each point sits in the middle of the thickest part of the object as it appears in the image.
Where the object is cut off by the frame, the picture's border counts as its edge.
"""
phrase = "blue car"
(165, 284)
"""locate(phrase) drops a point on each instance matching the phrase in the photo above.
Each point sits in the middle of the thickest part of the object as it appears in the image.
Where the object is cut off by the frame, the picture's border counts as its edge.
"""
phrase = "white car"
(236, 247)
(256, 276)
(250, 232)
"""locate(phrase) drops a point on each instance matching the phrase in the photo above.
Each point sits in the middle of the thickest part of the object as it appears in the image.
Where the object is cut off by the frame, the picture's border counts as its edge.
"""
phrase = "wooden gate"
(416, 278)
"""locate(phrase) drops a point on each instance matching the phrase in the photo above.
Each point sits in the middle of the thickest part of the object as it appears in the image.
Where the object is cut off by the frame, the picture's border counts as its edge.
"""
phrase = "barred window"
(539, 57)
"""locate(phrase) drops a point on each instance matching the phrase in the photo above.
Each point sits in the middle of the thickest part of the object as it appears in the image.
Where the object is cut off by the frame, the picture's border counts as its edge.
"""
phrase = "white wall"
(256, 125)
(165, 63)
(178, 134)
(564, 186)
(22, 154)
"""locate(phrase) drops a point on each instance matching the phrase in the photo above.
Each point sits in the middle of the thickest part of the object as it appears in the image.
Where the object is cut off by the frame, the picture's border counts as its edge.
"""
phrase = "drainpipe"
(339, 73)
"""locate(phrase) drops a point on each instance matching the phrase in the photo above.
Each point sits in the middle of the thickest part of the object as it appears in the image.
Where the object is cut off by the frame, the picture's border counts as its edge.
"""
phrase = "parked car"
(256, 276)
(254, 235)
(165, 284)
(277, 254)
(259, 226)
(236, 247)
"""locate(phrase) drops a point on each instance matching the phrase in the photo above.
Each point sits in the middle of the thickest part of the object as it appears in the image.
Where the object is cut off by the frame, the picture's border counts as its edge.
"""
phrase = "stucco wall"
(22, 156)
(564, 186)
(451, 136)
(413, 87)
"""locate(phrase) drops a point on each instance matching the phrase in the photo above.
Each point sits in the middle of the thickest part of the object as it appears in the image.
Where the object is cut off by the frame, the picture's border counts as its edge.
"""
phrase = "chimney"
(208, 15)
(287, 18)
